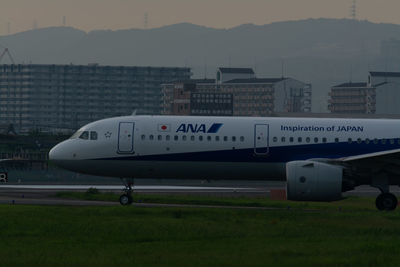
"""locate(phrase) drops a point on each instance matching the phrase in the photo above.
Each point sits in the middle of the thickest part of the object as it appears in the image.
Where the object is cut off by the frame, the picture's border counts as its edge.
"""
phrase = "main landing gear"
(386, 200)
(126, 198)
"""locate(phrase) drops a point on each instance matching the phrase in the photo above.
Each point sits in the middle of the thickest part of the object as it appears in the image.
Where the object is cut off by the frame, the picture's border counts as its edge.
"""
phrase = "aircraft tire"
(125, 199)
(386, 201)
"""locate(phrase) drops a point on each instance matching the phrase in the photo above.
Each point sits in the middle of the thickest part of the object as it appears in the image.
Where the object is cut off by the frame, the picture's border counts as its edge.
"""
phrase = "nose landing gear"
(126, 198)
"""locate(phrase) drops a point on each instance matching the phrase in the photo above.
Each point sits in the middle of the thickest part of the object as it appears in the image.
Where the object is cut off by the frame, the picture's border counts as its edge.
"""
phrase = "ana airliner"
(319, 158)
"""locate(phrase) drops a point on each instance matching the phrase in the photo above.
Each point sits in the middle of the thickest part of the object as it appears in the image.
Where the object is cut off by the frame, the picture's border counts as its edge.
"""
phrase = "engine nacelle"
(315, 181)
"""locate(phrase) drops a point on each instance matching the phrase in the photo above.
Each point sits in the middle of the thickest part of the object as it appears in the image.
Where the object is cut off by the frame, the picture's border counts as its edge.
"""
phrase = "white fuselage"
(217, 147)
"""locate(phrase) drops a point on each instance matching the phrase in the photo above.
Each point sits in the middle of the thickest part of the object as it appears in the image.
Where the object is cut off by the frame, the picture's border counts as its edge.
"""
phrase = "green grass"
(138, 236)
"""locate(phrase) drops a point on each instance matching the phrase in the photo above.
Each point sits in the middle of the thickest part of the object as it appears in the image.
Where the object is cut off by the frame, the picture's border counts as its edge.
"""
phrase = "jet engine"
(314, 181)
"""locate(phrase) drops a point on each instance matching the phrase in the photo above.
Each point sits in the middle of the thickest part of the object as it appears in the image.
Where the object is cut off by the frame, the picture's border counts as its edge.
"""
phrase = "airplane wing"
(387, 161)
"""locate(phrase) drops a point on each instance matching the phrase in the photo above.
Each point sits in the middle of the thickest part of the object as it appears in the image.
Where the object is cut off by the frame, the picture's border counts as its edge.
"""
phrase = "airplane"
(319, 158)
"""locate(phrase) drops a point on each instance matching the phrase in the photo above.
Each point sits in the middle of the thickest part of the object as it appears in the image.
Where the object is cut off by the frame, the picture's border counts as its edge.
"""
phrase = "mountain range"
(323, 52)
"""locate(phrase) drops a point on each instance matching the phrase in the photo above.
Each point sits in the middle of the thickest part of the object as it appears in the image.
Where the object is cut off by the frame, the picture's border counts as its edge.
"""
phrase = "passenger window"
(192, 138)
(208, 138)
(299, 139)
(217, 138)
(159, 137)
(167, 137)
(383, 141)
(242, 139)
(350, 140)
(233, 138)
(359, 140)
(200, 138)
(391, 141)
(291, 139)
(336, 140)
(375, 141)
(93, 135)
(275, 139)
(151, 137)
(184, 137)
(143, 137)
(176, 137)
(283, 139)
(225, 138)
(316, 140)
(324, 140)
(398, 141)
(84, 135)
(308, 139)
(367, 141)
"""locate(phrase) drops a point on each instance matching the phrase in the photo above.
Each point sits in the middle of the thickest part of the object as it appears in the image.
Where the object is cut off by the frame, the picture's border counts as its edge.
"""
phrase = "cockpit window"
(76, 135)
(93, 135)
(84, 135)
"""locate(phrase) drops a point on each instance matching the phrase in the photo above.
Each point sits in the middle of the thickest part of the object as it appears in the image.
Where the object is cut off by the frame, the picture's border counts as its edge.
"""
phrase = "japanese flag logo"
(164, 127)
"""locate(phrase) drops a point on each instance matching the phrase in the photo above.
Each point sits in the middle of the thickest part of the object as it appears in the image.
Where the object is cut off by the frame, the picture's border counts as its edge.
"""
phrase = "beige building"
(352, 98)
(244, 95)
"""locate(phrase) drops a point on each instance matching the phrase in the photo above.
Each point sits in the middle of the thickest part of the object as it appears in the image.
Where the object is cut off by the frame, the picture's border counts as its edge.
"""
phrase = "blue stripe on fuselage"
(276, 154)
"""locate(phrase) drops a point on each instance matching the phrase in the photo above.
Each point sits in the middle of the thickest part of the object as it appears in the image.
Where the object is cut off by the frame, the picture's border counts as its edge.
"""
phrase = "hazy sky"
(122, 14)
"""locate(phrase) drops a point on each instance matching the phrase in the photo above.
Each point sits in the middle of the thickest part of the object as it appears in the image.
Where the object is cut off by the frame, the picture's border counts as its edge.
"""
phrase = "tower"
(353, 10)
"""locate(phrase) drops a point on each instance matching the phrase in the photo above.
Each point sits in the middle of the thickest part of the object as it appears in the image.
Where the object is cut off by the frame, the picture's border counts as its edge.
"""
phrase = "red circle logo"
(163, 127)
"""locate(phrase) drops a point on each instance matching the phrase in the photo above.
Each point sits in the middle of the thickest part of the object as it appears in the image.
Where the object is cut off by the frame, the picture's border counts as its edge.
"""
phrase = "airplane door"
(261, 136)
(125, 137)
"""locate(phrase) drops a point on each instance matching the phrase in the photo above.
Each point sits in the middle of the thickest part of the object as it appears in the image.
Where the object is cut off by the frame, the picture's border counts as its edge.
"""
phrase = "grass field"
(346, 233)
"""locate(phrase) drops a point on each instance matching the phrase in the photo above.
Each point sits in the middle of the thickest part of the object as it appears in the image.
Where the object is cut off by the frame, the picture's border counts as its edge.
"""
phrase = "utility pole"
(146, 20)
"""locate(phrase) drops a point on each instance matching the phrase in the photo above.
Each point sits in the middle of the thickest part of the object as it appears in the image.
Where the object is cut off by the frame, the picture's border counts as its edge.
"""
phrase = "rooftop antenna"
(255, 65)
(35, 25)
(8, 28)
(353, 10)
(351, 74)
(283, 68)
(205, 68)
(64, 21)
(146, 20)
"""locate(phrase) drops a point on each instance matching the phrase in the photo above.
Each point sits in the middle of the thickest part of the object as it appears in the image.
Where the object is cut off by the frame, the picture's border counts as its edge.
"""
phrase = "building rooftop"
(351, 85)
(197, 81)
(237, 70)
(257, 80)
(384, 74)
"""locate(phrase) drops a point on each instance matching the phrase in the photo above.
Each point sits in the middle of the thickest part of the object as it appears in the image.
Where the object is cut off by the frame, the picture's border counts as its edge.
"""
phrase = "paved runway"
(45, 194)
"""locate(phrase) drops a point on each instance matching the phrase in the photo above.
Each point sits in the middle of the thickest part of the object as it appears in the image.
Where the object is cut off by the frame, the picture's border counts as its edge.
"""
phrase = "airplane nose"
(55, 153)
(60, 152)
